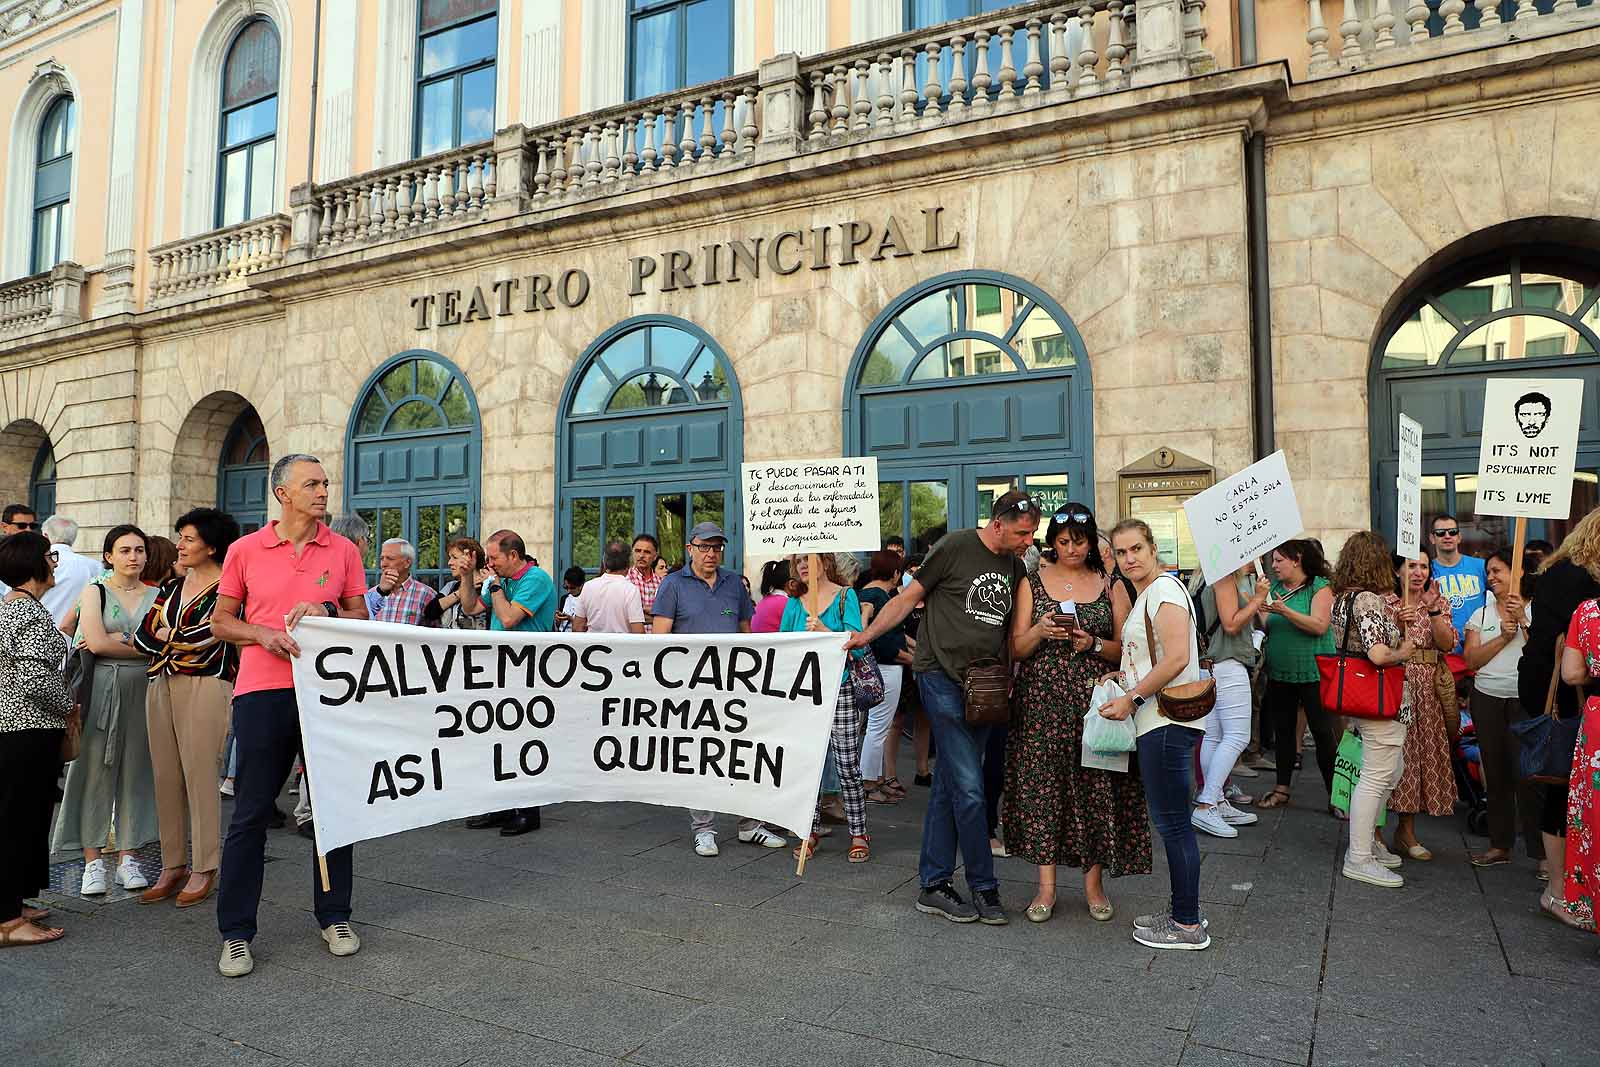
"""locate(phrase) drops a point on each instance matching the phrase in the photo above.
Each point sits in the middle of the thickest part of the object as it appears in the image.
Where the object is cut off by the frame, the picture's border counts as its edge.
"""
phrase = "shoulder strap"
(1555, 678)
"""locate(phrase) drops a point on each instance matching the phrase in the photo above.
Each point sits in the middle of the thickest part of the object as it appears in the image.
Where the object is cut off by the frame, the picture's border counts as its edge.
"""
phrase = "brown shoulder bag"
(1186, 701)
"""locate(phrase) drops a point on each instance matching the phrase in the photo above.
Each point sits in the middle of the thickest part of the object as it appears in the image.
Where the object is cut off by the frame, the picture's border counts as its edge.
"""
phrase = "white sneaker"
(1382, 855)
(705, 843)
(236, 960)
(762, 836)
(342, 941)
(226, 788)
(94, 878)
(1370, 872)
(1234, 795)
(129, 876)
(1234, 817)
(1209, 820)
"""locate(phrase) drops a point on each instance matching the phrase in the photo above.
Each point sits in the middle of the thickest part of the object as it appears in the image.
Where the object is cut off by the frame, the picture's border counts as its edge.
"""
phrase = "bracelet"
(1435, 614)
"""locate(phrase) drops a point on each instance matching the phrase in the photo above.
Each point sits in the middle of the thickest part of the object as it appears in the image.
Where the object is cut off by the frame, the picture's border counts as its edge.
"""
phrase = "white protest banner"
(1408, 484)
(1241, 517)
(808, 505)
(405, 727)
(1529, 447)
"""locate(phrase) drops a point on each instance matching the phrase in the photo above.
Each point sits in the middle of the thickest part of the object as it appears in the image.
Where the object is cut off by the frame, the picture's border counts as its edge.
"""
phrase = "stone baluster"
(611, 162)
(630, 152)
(574, 162)
(558, 166)
(1088, 58)
(687, 145)
(1350, 34)
(425, 202)
(958, 77)
(1008, 69)
(325, 225)
(933, 91)
(1416, 25)
(980, 74)
(886, 96)
(749, 130)
(708, 134)
(1317, 37)
(1382, 25)
(908, 90)
(363, 212)
(1564, 7)
(861, 106)
(839, 90)
(592, 162)
(669, 137)
(1033, 66)
(491, 176)
(446, 190)
(1488, 13)
(648, 153)
(1060, 61)
(405, 200)
(474, 183)
(730, 127)
(460, 174)
(541, 173)
(817, 118)
(1450, 11)
(1116, 49)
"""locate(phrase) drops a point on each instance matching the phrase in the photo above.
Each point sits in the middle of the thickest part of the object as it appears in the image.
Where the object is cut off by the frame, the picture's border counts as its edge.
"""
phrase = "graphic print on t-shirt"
(989, 598)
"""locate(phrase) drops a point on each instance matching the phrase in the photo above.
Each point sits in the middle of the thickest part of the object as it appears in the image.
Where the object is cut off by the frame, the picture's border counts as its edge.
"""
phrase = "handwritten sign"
(807, 505)
(1241, 517)
(1530, 446)
(406, 727)
(1408, 510)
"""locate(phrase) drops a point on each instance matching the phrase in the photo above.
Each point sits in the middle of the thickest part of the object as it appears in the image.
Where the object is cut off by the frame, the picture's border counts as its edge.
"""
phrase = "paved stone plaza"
(603, 939)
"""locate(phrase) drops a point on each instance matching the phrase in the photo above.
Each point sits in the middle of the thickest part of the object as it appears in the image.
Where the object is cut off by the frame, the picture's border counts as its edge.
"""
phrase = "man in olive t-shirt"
(969, 585)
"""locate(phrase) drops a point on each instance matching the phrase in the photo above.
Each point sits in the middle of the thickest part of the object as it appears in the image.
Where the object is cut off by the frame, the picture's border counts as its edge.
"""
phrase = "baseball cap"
(707, 531)
(1014, 501)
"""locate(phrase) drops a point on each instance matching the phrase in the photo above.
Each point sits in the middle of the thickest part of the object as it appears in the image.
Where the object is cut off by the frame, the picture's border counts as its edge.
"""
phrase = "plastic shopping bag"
(1104, 735)
(1347, 772)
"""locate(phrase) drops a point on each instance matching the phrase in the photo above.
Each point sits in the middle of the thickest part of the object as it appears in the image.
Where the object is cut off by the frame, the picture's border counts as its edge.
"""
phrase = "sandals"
(880, 795)
(1275, 799)
(893, 787)
(1491, 858)
(860, 849)
(22, 931)
(808, 846)
(1341, 816)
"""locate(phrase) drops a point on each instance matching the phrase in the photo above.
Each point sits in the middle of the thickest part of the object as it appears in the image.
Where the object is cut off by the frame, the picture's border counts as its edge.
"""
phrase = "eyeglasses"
(718, 549)
(1079, 517)
(1452, 532)
(26, 525)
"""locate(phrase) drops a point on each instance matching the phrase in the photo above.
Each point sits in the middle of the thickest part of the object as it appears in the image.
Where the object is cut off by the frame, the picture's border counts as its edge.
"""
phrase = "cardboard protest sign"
(1408, 484)
(1239, 518)
(1529, 447)
(405, 727)
(811, 506)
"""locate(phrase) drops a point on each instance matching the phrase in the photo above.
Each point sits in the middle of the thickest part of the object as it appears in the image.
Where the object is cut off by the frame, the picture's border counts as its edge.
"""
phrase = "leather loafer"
(165, 887)
(489, 821)
(520, 823)
(189, 900)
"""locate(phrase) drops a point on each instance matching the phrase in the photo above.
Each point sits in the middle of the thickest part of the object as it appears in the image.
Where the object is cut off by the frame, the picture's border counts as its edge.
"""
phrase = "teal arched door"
(412, 456)
(242, 478)
(966, 386)
(649, 442)
(42, 485)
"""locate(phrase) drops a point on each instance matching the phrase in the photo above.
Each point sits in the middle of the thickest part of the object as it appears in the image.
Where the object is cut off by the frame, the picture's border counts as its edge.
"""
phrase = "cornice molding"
(20, 19)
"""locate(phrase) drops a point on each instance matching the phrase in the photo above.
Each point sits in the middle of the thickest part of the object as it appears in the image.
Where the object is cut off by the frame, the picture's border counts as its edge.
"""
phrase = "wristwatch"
(331, 608)
(1435, 614)
(1139, 701)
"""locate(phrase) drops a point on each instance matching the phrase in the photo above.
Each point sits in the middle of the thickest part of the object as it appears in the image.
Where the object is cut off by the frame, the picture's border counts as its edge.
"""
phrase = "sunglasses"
(1452, 532)
(1080, 517)
(26, 525)
(1021, 507)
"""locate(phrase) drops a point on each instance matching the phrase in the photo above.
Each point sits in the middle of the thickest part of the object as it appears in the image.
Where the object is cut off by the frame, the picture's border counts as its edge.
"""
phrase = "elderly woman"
(187, 708)
(34, 707)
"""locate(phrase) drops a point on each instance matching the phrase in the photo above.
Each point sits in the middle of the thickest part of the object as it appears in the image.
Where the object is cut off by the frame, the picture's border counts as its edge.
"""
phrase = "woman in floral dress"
(1427, 784)
(1058, 811)
(1580, 665)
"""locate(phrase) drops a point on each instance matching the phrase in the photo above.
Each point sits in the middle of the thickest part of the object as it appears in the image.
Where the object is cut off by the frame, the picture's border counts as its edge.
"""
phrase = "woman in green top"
(1297, 633)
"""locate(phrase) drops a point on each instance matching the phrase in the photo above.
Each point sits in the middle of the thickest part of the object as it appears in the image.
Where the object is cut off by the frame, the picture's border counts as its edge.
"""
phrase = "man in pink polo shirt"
(290, 568)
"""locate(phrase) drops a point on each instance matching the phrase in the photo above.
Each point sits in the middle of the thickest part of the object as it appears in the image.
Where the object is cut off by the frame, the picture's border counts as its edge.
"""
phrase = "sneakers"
(1168, 934)
(129, 876)
(1382, 855)
(236, 961)
(942, 899)
(226, 788)
(1210, 820)
(1370, 872)
(1233, 816)
(1150, 922)
(95, 881)
(763, 837)
(1234, 795)
(990, 913)
(705, 843)
(342, 941)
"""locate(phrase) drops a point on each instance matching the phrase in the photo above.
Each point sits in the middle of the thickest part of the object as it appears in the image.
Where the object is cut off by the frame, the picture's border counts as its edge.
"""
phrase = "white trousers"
(1227, 728)
(1383, 747)
(880, 720)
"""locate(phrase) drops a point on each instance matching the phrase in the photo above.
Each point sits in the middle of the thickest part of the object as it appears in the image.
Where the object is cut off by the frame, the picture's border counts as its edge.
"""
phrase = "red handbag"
(1355, 687)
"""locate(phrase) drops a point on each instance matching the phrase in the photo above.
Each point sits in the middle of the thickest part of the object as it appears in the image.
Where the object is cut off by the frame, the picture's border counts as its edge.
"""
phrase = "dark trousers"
(266, 726)
(955, 802)
(1509, 797)
(1166, 760)
(30, 760)
(994, 775)
(1283, 702)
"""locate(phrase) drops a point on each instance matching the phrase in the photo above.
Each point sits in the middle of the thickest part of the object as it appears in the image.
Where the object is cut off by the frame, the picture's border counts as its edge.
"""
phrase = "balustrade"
(203, 265)
(1377, 32)
(42, 301)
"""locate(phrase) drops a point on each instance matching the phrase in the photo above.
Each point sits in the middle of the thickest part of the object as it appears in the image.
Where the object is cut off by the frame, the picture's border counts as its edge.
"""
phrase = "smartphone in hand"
(1067, 616)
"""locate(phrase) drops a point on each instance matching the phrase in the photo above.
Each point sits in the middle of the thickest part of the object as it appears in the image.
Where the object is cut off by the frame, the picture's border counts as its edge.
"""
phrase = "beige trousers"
(188, 721)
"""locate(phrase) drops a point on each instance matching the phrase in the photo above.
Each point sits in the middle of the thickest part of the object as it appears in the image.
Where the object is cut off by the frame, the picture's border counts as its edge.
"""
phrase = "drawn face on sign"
(1533, 412)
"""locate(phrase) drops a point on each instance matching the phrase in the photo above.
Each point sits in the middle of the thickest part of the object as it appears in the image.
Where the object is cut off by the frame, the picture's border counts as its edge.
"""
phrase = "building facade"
(562, 266)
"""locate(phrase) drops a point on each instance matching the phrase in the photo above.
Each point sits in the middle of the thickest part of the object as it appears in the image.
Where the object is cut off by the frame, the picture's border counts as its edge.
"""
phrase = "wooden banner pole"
(814, 586)
(1516, 554)
(322, 868)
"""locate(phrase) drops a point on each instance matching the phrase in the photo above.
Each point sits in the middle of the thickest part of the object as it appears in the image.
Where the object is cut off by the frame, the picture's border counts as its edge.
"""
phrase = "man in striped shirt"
(398, 597)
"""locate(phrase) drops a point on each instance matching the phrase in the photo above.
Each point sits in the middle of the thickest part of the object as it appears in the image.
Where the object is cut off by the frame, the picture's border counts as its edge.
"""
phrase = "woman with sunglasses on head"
(1297, 613)
(1059, 812)
(1427, 783)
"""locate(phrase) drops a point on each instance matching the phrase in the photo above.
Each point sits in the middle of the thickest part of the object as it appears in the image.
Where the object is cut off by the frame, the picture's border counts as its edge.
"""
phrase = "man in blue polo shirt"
(520, 596)
(705, 598)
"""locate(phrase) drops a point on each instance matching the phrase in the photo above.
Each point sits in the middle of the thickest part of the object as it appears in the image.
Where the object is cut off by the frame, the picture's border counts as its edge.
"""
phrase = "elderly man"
(706, 598)
(354, 529)
(292, 567)
(398, 597)
(73, 571)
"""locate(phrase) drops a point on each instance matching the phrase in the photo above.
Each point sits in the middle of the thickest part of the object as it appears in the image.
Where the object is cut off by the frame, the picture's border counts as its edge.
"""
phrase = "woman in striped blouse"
(187, 705)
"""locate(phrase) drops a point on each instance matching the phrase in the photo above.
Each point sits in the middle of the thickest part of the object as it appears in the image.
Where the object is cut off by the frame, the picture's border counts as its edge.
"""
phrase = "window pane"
(369, 558)
(888, 361)
(1420, 340)
(455, 522)
(1553, 291)
(1478, 298)
(1170, 524)
(459, 47)
(708, 507)
(399, 382)
(457, 409)
(390, 524)
(263, 178)
(891, 510)
(655, 54)
(372, 412)
(252, 65)
(932, 317)
(1480, 534)
(414, 415)
(436, 117)
(930, 515)
(44, 239)
(707, 380)
(1435, 499)
(1049, 491)
(1520, 337)
(647, 391)
(431, 378)
(933, 12)
(436, 13)
(591, 392)
(619, 519)
(249, 123)
(625, 355)
(233, 187)
(428, 548)
(989, 490)
(52, 182)
(477, 105)
(670, 526)
(670, 348)
(709, 37)
(1041, 342)
(55, 135)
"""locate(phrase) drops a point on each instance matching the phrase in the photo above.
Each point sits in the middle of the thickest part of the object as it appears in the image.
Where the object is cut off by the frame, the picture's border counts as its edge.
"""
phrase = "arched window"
(1517, 311)
(650, 441)
(411, 459)
(52, 186)
(247, 143)
(967, 365)
(242, 476)
(42, 484)
(456, 45)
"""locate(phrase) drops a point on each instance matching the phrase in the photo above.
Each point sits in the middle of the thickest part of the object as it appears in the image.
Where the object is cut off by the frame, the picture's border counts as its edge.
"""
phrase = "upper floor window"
(52, 186)
(920, 13)
(675, 43)
(247, 164)
(457, 40)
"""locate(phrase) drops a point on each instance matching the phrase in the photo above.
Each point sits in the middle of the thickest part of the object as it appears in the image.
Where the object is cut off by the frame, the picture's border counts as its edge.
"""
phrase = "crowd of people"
(160, 675)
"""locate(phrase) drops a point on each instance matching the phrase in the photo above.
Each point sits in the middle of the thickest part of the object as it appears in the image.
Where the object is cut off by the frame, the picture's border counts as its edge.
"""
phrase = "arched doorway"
(966, 386)
(242, 475)
(1521, 311)
(412, 455)
(649, 441)
(42, 484)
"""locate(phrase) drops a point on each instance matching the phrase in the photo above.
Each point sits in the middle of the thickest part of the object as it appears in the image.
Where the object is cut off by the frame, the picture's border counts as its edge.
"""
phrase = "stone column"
(783, 106)
(1160, 57)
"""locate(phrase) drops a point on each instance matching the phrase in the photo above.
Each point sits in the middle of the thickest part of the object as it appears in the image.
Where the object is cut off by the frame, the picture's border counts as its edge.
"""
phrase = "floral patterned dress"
(1582, 876)
(1427, 785)
(1057, 810)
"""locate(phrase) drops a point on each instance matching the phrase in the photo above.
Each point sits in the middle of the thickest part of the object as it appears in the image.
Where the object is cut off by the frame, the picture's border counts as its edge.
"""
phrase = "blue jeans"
(956, 809)
(267, 726)
(1166, 761)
